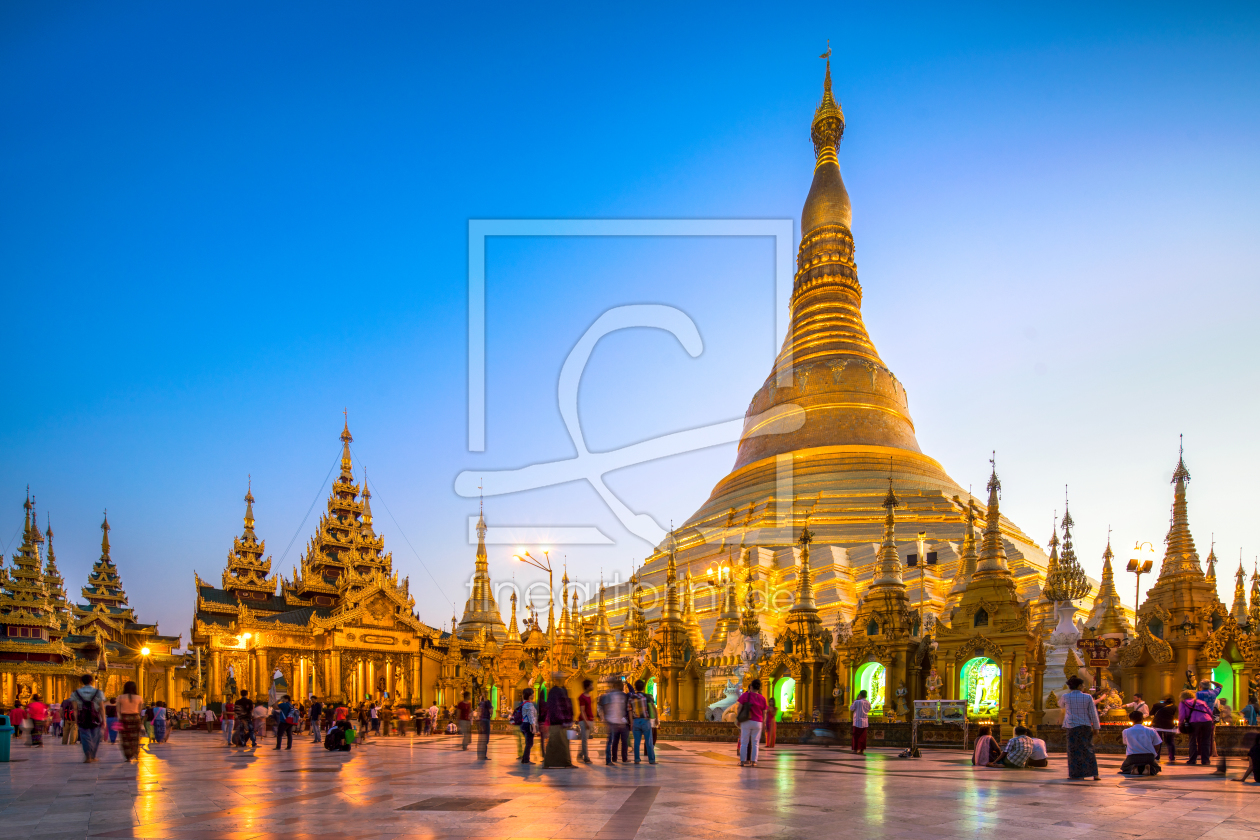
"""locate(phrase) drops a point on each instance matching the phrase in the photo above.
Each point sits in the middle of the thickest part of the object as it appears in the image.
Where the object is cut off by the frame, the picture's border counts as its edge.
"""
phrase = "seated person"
(986, 752)
(339, 737)
(1141, 748)
(1039, 757)
(1018, 750)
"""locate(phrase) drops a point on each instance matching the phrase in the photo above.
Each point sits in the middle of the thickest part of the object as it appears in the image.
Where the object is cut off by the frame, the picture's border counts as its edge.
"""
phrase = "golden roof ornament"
(1255, 597)
(1068, 582)
(888, 572)
(1181, 560)
(1107, 616)
(992, 558)
(1210, 574)
(749, 623)
(827, 128)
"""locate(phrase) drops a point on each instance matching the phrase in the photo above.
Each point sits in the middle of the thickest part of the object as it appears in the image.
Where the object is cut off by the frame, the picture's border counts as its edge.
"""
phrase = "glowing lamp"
(144, 651)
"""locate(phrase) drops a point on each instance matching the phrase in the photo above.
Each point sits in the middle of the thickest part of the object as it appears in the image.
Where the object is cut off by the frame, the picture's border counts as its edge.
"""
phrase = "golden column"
(334, 677)
(215, 677)
(417, 671)
(264, 674)
(170, 687)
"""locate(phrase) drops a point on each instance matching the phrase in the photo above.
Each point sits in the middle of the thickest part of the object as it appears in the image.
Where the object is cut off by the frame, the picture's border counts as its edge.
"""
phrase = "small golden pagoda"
(1184, 632)
(481, 611)
(34, 656)
(992, 652)
(1107, 617)
(342, 628)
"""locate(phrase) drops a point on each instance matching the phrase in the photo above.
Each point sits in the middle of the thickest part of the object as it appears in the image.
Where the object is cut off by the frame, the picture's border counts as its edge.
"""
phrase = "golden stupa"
(856, 435)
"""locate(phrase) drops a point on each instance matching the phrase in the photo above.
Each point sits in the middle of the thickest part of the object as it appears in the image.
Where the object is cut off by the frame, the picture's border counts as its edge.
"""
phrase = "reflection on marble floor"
(193, 788)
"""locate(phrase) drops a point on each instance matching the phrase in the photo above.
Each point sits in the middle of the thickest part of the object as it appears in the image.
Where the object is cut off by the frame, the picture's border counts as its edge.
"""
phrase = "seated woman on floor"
(986, 753)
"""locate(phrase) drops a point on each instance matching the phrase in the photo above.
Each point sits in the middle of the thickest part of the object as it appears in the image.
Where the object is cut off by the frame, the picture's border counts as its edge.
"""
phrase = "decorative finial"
(827, 54)
(1181, 474)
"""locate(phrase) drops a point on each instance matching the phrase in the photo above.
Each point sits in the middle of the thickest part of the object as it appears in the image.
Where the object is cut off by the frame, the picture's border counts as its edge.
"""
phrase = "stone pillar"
(334, 678)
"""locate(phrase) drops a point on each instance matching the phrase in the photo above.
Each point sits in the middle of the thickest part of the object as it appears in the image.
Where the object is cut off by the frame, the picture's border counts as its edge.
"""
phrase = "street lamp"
(545, 565)
(144, 651)
(1139, 567)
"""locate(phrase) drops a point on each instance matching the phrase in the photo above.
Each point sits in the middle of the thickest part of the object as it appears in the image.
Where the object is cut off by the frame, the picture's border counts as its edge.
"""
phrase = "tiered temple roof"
(30, 626)
(246, 569)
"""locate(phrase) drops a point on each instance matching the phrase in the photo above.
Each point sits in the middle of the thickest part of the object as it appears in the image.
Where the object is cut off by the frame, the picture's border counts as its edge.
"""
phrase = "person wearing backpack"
(286, 721)
(751, 716)
(89, 706)
(642, 713)
(129, 707)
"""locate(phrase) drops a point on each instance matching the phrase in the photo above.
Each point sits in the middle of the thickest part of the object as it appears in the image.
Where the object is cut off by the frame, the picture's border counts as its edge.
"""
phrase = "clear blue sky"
(221, 223)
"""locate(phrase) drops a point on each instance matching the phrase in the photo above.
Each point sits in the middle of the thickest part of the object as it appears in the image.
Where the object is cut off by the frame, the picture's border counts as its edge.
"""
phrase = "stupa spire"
(1210, 573)
(1180, 557)
(481, 610)
(1239, 611)
(889, 571)
(1107, 616)
(246, 569)
(1255, 596)
(992, 560)
(805, 584)
(347, 468)
(513, 635)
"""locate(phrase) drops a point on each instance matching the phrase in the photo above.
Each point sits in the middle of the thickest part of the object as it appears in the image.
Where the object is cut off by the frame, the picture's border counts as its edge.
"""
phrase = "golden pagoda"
(992, 653)
(831, 424)
(1239, 611)
(33, 651)
(1107, 618)
(342, 628)
(480, 610)
(108, 635)
(1183, 629)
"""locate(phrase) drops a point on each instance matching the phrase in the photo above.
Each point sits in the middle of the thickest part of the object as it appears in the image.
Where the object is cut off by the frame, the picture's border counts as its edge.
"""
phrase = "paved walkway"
(194, 788)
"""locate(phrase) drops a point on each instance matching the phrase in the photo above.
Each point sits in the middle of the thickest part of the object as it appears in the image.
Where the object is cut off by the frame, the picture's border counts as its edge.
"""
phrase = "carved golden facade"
(46, 644)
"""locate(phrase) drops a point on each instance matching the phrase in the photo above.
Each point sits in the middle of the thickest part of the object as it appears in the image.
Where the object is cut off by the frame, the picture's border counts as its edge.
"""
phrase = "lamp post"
(545, 565)
(1139, 566)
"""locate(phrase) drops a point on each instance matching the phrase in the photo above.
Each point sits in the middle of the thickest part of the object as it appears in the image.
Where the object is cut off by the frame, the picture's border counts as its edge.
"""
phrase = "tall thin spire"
(805, 584)
(1210, 574)
(1239, 611)
(889, 570)
(1107, 616)
(105, 538)
(1180, 557)
(347, 468)
(992, 560)
(967, 562)
(1254, 613)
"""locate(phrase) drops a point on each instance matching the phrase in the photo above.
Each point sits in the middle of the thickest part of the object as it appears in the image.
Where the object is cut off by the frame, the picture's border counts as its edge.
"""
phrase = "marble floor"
(194, 788)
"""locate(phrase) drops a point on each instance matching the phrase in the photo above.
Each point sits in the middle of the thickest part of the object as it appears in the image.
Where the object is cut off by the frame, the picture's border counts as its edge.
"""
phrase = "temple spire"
(992, 560)
(513, 635)
(1210, 574)
(1239, 610)
(805, 584)
(889, 571)
(105, 538)
(1107, 616)
(347, 468)
(1255, 597)
(1180, 557)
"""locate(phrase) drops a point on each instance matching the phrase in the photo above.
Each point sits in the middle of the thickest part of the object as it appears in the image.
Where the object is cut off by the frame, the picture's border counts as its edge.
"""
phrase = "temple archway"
(784, 696)
(981, 680)
(870, 678)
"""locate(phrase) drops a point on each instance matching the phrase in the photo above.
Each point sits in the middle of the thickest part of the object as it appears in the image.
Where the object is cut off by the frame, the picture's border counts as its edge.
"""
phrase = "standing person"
(207, 716)
(38, 713)
(130, 704)
(752, 710)
(1196, 717)
(464, 710)
(111, 719)
(1080, 719)
(286, 720)
(69, 722)
(55, 715)
(642, 712)
(228, 721)
(1141, 747)
(432, 717)
(89, 712)
(529, 723)
(484, 712)
(613, 711)
(374, 715)
(244, 718)
(560, 716)
(1164, 721)
(159, 721)
(586, 718)
(258, 723)
(861, 709)
(317, 709)
(772, 723)
(17, 716)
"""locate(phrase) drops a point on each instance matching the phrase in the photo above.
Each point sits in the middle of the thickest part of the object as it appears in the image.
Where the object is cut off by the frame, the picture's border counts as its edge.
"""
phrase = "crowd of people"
(629, 713)
(1194, 714)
